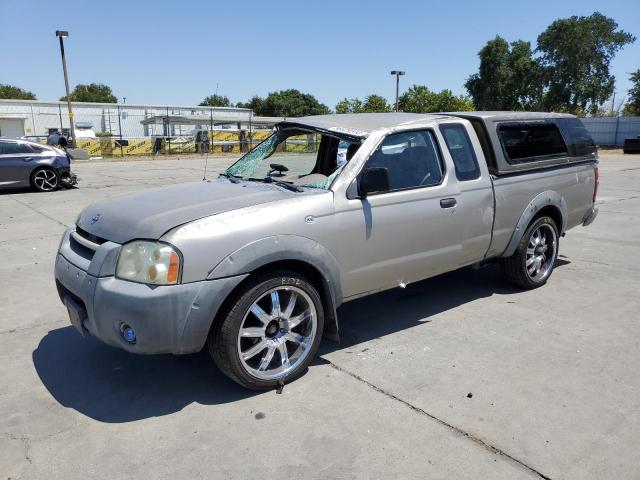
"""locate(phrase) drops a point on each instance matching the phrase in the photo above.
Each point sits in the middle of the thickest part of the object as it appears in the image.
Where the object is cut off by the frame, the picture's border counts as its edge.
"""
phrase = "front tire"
(270, 331)
(532, 263)
(45, 180)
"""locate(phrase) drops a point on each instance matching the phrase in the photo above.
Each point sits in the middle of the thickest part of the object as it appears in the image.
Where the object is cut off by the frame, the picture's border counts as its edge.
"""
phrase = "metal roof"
(125, 105)
(358, 124)
(507, 115)
(205, 119)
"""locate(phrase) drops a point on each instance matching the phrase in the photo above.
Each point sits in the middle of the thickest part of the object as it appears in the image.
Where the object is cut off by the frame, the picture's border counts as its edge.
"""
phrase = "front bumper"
(166, 319)
(67, 178)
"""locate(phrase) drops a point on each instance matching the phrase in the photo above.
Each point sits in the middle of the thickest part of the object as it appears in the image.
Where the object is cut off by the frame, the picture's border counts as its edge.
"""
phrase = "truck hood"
(151, 213)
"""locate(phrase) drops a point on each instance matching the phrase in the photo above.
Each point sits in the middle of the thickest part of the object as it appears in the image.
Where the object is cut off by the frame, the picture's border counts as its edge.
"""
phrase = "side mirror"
(373, 180)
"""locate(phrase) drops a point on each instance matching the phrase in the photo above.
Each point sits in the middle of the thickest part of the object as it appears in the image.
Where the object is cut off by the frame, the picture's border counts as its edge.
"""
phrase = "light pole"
(397, 73)
(62, 34)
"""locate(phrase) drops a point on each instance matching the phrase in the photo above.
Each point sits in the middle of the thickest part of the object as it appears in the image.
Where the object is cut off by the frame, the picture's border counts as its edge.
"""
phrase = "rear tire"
(532, 263)
(45, 180)
(270, 331)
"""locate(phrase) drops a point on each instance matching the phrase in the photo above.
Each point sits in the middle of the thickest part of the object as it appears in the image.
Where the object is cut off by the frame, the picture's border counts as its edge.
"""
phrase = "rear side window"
(529, 142)
(12, 148)
(459, 145)
(579, 142)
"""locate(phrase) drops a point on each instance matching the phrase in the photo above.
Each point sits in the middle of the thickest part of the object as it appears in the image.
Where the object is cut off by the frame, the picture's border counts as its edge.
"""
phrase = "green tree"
(632, 106)
(215, 100)
(346, 105)
(375, 104)
(371, 104)
(419, 99)
(11, 92)
(509, 78)
(575, 55)
(256, 104)
(288, 103)
(93, 92)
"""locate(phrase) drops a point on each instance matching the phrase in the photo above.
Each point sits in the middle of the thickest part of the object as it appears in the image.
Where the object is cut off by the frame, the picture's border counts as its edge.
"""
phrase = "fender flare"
(272, 249)
(549, 198)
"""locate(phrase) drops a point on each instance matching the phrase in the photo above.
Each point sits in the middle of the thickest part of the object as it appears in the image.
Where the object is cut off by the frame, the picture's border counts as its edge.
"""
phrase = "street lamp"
(62, 34)
(397, 73)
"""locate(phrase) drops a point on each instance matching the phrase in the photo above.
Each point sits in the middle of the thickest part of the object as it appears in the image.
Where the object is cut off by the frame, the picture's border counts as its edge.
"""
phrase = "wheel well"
(305, 269)
(554, 213)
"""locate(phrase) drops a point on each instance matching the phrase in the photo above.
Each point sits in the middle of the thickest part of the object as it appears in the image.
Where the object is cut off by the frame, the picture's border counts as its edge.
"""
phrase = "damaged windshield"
(296, 157)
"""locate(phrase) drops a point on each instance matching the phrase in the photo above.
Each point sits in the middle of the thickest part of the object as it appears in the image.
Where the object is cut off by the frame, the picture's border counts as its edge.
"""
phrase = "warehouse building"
(35, 118)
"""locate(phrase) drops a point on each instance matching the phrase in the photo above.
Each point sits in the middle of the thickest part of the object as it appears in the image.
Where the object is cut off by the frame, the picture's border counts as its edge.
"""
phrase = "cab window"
(411, 160)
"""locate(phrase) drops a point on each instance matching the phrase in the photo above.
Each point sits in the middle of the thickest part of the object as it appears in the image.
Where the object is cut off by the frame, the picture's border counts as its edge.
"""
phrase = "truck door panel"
(407, 234)
(475, 212)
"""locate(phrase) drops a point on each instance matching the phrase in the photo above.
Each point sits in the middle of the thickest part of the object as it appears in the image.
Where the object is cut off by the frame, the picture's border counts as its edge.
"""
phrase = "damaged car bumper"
(136, 317)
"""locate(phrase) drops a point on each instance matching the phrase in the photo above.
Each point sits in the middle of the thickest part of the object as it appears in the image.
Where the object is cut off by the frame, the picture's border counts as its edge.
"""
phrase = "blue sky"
(177, 51)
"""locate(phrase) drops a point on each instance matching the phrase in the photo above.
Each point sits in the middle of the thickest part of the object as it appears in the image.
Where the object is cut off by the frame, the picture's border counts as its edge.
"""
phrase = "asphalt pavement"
(459, 376)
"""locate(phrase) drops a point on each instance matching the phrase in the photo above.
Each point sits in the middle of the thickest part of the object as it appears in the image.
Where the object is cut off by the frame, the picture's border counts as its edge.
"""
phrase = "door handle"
(448, 202)
(28, 159)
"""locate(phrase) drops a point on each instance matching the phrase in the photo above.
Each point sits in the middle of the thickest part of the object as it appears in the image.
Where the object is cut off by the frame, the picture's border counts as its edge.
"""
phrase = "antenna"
(206, 160)
(206, 148)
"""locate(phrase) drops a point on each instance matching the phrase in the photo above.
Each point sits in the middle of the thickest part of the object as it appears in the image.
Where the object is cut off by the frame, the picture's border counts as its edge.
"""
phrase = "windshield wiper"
(286, 185)
(232, 178)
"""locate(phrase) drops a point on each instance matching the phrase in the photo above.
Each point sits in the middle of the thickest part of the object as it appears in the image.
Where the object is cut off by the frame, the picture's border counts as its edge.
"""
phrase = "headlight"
(149, 262)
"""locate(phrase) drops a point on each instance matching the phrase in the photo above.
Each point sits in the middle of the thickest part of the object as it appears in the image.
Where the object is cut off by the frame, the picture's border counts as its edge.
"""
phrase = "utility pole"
(61, 34)
(397, 73)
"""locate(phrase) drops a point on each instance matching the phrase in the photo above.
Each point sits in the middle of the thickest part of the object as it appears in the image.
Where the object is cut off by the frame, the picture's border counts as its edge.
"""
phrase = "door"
(12, 127)
(409, 232)
(475, 206)
(16, 163)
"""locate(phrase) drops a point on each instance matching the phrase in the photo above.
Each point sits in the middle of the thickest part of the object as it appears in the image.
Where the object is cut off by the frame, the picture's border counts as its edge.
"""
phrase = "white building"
(35, 118)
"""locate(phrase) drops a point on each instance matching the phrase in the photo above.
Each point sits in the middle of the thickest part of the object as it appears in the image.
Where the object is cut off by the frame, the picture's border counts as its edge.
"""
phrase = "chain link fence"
(106, 130)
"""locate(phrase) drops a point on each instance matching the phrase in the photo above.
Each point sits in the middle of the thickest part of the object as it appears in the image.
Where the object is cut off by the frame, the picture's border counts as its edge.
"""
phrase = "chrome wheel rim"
(277, 333)
(541, 252)
(45, 180)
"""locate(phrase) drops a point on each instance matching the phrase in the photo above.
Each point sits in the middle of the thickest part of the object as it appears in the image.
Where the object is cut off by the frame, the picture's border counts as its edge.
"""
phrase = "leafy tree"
(215, 100)
(633, 104)
(288, 103)
(509, 77)
(419, 99)
(93, 92)
(347, 105)
(372, 104)
(576, 53)
(375, 104)
(11, 92)
(256, 104)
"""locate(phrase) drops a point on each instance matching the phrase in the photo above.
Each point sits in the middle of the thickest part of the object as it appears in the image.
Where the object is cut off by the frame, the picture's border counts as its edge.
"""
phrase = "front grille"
(80, 249)
(89, 236)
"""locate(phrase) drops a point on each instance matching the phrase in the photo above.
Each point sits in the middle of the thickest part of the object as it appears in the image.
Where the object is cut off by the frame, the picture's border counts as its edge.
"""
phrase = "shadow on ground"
(113, 386)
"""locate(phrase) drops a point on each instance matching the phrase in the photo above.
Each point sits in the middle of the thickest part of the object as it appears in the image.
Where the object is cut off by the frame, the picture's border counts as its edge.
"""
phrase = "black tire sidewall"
(226, 332)
(524, 243)
(33, 183)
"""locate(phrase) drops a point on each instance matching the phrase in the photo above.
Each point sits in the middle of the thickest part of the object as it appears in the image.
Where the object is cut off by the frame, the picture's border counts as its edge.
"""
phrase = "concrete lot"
(460, 376)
